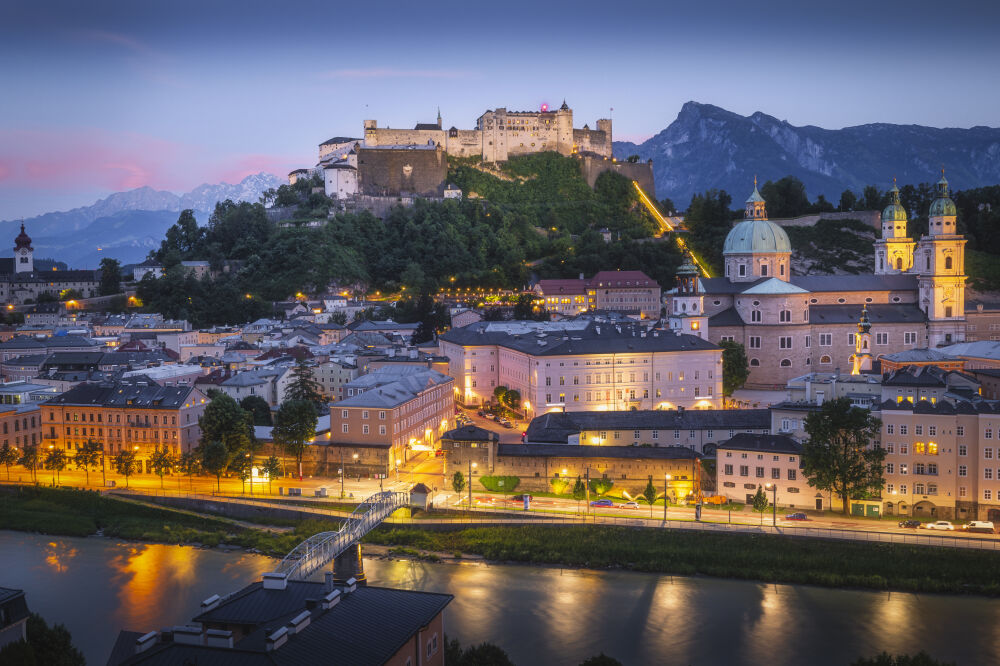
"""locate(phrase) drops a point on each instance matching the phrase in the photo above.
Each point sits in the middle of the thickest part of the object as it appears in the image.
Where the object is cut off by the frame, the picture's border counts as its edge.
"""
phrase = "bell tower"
(24, 254)
(687, 305)
(894, 250)
(862, 359)
(940, 264)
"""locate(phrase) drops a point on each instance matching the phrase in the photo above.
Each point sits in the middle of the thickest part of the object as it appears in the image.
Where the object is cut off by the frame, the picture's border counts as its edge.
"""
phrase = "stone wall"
(870, 217)
(591, 167)
(391, 172)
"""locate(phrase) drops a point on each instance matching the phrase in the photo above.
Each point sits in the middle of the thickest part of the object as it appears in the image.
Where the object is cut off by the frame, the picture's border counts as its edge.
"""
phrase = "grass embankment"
(83, 513)
(754, 557)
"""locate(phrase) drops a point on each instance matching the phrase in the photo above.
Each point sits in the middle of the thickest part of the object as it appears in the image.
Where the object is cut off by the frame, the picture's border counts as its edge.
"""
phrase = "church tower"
(940, 264)
(862, 359)
(24, 254)
(894, 250)
(687, 305)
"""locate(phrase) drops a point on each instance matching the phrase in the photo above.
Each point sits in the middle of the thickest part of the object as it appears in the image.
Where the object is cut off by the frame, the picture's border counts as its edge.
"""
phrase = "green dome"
(943, 205)
(756, 237)
(894, 212)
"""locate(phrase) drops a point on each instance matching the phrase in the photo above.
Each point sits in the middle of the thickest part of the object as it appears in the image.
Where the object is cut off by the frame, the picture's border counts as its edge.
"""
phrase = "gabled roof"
(471, 433)
(774, 286)
(728, 317)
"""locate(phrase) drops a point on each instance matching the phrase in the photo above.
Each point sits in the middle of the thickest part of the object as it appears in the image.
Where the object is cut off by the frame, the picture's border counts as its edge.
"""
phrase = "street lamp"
(471, 466)
(773, 487)
(666, 494)
(342, 472)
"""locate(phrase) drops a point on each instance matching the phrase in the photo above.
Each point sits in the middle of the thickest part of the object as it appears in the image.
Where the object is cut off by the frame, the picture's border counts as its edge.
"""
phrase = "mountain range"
(127, 225)
(708, 147)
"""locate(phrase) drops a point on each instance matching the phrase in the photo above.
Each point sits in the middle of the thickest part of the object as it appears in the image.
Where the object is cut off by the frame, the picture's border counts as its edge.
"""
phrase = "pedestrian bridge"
(321, 549)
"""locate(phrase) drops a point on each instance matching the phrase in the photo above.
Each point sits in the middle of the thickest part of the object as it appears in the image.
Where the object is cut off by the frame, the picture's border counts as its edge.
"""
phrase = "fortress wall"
(591, 167)
(388, 172)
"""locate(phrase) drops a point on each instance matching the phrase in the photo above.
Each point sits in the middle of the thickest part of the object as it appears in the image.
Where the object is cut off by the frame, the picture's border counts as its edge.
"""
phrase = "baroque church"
(791, 325)
(20, 282)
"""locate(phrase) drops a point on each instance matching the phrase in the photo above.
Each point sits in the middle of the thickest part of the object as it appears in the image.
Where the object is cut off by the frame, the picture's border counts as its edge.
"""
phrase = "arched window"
(785, 363)
(947, 263)
(825, 360)
(754, 363)
(899, 263)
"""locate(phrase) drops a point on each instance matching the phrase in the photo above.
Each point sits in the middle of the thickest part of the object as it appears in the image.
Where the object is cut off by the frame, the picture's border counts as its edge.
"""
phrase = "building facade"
(771, 462)
(631, 293)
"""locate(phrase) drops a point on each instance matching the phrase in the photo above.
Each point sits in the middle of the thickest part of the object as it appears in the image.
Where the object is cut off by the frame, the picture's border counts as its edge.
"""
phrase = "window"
(754, 362)
(344, 428)
(918, 489)
(988, 453)
(932, 430)
(728, 469)
(918, 468)
(902, 489)
(918, 430)
(963, 470)
(744, 470)
(889, 488)
(963, 450)
(932, 448)
(381, 415)
(988, 473)
(987, 494)
(785, 363)
(960, 431)
(988, 433)
(381, 430)
(343, 413)
(364, 429)
(889, 428)
(909, 337)
(785, 316)
(791, 474)
(743, 270)
(825, 339)
(775, 472)
(364, 413)
(890, 468)
(785, 342)
(755, 316)
(754, 342)
(881, 338)
(903, 429)
(890, 447)
(963, 491)
(902, 468)
(759, 472)
(918, 447)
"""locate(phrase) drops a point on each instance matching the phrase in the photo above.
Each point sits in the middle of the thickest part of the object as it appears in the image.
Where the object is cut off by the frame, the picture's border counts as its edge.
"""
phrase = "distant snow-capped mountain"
(126, 225)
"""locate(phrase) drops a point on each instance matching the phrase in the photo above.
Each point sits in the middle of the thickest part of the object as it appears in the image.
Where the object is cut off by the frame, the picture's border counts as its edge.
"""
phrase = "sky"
(98, 97)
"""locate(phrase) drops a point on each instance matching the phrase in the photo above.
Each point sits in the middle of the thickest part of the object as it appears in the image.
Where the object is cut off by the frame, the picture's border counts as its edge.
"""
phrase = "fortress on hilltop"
(501, 134)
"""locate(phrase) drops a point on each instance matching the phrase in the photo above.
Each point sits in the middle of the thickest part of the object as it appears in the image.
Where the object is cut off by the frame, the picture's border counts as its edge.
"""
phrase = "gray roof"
(899, 313)
(922, 355)
(980, 349)
(401, 389)
(728, 317)
(471, 433)
(575, 451)
(583, 337)
(820, 283)
(746, 441)
(125, 394)
(556, 427)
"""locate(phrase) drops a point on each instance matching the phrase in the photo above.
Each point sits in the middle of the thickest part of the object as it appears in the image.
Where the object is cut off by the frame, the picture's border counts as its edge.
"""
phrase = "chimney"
(331, 600)
(210, 603)
(275, 581)
(299, 622)
(276, 639)
(188, 635)
(143, 643)
(328, 582)
(218, 638)
(350, 585)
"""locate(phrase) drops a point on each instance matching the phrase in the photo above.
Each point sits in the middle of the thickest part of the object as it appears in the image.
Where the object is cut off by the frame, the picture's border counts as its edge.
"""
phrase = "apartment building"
(583, 365)
(631, 293)
(20, 425)
(138, 415)
(386, 415)
(750, 461)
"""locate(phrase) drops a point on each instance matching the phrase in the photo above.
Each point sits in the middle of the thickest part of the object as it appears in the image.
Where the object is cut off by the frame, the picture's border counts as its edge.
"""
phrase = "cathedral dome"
(756, 237)
(943, 205)
(894, 212)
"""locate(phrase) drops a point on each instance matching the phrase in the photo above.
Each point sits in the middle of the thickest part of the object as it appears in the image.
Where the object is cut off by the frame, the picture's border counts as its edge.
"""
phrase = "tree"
(70, 295)
(189, 464)
(649, 493)
(601, 486)
(126, 464)
(847, 201)
(760, 503)
(458, 482)
(304, 387)
(499, 393)
(735, 368)
(294, 425)
(30, 458)
(215, 458)
(51, 646)
(272, 468)
(225, 421)
(885, 659)
(513, 399)
(339, 318)
(484, 654)
(111, 277)
(242, 466)
(258, 408)
(88, 455)
(579, 490)
(55, 460)
(785, 198)
(838, 455)
(162, 461)
(708, 220)
(8, 457)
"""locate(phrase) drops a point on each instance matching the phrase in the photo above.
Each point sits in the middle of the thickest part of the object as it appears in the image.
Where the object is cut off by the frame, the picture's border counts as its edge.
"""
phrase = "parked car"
(629, 505)
(912, 524)
(939, 525)
(797, 516)
(505, 423)
(480, 413)
(979, 526)
(491, 417)
(602, 502)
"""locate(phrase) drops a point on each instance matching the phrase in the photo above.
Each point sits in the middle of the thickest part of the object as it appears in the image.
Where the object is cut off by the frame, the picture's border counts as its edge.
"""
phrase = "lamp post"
(666, 494)
(773, 487)
(354, 460)
(341, 472)
(471, 466)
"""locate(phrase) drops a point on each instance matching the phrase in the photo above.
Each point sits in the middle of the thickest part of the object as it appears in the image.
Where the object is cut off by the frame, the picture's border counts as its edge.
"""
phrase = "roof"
(569, 286)
(823, 283)
(14, 605)
(728, 317)
(621, 279)
(922, 355)
(125, 394)
(574, 451)
(774, 286)
(402, 388)
(980, 349)
(470, 433)
(339, 139)
(755, 237)
(897, 313)
(556, 427)
(427, 126)
(746, 441)
(573, 337)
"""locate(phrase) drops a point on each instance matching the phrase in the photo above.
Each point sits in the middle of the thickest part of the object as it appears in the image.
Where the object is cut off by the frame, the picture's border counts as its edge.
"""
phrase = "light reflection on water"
(539, 615)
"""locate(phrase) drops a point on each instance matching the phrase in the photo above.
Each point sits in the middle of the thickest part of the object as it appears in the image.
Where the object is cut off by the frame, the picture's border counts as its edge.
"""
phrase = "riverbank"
(760, 557)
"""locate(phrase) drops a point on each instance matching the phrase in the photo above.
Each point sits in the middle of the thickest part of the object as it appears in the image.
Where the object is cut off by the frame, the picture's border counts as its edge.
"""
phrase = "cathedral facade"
(791, 325)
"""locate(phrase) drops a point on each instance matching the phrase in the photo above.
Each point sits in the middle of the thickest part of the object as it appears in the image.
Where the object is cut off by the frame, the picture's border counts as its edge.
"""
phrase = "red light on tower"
(545, 107)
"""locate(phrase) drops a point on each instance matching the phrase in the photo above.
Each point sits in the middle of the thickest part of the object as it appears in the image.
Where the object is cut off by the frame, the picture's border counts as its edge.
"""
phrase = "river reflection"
(540, 616)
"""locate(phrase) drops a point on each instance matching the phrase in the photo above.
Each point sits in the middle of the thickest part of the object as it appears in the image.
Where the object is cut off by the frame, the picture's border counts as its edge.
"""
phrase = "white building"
(748, 461)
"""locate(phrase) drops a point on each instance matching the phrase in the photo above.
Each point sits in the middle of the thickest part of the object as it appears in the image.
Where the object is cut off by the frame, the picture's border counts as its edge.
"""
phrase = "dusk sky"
(99, 97)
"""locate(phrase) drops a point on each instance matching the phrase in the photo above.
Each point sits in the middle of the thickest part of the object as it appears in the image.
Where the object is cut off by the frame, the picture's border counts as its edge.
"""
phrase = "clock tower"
(24, 261)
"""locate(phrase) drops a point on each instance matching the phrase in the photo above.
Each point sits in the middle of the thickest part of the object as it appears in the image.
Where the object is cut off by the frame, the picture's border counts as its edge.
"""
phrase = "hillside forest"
(533, 217)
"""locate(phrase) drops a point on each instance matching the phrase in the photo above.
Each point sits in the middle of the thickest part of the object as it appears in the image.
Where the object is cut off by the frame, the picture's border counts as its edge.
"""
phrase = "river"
(96, 586)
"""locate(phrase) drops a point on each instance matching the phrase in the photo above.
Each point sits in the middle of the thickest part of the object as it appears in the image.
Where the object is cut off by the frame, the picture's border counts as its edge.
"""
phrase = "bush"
(559, 485)
(601, 486)
(500, 484)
